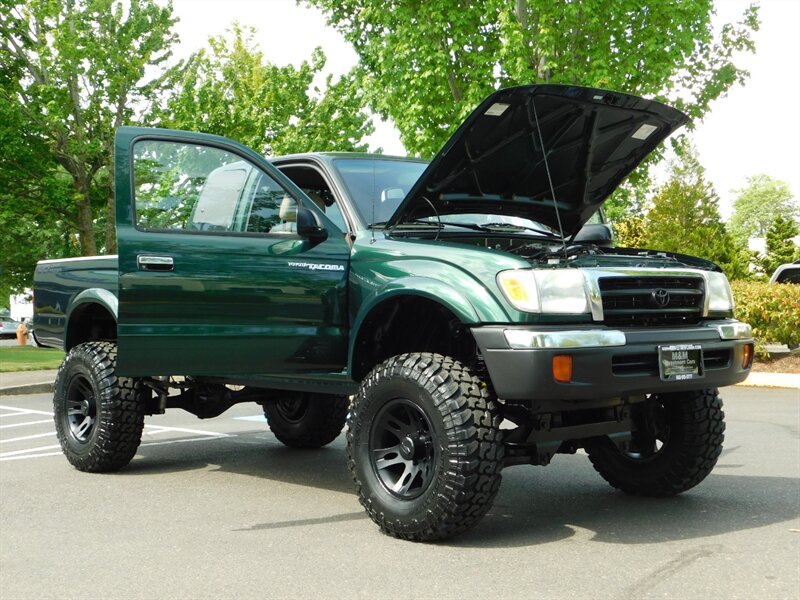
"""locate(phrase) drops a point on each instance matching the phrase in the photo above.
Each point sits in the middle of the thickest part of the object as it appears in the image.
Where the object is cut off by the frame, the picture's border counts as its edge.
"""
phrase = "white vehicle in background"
(8, 328)
(788, 273)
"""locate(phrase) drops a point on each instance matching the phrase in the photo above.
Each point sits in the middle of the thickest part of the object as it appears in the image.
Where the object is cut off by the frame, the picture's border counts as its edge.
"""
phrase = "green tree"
(72, 72)
(426, 65)
(781, 248)
(231, 90)
(631, 232)
(758, 204)
(685, 218)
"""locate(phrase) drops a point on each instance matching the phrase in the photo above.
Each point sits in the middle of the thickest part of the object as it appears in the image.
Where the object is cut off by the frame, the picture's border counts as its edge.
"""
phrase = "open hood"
(495, 163)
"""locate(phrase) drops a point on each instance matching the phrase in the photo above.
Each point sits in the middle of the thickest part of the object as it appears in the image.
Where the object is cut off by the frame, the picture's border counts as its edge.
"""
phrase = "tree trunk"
(84, 219)
(521, 10)
(111, 229)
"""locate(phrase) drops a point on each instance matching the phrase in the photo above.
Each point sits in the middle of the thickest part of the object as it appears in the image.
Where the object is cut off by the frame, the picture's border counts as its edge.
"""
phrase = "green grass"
(28, 358)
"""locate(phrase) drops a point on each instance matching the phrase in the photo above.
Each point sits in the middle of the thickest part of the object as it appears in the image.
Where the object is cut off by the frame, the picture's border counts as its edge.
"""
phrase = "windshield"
(378, 186)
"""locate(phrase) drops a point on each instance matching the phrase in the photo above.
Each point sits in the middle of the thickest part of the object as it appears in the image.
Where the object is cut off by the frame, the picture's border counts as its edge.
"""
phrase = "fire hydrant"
(22, 334)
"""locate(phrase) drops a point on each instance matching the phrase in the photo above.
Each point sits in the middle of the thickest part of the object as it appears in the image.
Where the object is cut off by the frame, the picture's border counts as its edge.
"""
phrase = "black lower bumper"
(601, 373)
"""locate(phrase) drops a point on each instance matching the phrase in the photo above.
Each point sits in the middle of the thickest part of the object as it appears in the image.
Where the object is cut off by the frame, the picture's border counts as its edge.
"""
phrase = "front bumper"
(606, 362)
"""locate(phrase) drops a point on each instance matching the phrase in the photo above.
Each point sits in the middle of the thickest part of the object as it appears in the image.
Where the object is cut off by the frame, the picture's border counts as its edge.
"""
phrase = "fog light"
(562, 368)
(747, 356)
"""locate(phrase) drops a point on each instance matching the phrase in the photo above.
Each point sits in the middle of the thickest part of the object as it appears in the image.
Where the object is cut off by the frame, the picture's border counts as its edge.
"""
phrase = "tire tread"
(474, 446)
(119, 399)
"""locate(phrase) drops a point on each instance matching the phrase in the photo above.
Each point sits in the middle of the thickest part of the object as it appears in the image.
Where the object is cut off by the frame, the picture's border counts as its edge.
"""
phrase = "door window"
(186, 187)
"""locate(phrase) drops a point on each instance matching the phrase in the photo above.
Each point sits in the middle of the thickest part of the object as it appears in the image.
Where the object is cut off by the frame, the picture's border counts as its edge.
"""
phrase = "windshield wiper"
(486, 227)
(490, 226)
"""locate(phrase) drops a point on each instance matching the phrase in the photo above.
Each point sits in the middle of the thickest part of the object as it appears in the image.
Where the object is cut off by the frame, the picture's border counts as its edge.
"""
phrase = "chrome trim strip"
(583, 338)
(732, 331)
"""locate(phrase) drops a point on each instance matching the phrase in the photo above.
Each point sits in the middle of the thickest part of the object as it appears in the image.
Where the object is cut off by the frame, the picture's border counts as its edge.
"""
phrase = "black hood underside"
(495, 163)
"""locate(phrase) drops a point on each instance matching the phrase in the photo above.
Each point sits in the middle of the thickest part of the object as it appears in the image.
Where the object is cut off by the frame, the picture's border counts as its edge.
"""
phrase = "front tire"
(99, 417)
(424, 447)
(304, 420)
(677, 443)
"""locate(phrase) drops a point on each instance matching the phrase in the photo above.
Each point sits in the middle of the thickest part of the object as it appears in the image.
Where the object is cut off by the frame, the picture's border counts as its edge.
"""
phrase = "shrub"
(773, 310)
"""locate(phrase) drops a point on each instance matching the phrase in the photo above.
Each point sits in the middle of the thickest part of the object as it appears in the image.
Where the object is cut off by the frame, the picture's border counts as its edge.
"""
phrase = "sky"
(754, 129)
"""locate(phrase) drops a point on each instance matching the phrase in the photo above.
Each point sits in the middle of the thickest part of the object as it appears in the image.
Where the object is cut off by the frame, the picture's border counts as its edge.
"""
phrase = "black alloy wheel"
(401, 448)
(81, 412)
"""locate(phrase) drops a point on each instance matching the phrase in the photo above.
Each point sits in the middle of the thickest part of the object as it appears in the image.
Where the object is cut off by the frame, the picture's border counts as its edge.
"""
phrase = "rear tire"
(99, 417)
(424, 447)
(677, 443)
(304, 420)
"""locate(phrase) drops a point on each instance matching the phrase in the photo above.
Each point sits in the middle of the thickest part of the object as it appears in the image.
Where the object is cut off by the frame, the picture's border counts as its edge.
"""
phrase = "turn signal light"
(747, 356)
(562, 368)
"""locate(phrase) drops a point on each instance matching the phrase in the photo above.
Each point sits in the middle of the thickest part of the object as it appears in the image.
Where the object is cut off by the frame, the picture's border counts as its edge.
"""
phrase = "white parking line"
(184, 440)
(28, 437)
(23, 457)
(26, 423)
(163, 429)
(27, 451)
(25, 410)
(43, 451)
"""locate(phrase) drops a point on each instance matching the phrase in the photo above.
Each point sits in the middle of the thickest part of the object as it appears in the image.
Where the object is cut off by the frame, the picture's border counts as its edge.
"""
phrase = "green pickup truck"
(459, 316)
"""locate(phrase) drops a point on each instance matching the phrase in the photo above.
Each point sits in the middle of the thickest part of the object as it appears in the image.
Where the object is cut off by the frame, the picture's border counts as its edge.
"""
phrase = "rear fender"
(89, 297)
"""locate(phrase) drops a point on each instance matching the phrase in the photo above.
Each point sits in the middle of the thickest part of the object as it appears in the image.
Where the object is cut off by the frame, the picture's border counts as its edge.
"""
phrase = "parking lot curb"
(28, 388)
(772, 380)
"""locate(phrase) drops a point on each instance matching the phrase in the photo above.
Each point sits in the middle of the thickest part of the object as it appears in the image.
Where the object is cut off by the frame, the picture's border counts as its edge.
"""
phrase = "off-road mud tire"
(307, 421)
(116, 405)
(696, 431)
(466, 454)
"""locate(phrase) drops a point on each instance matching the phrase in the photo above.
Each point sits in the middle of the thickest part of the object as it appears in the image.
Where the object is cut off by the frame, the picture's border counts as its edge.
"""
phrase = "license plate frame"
(680, 362)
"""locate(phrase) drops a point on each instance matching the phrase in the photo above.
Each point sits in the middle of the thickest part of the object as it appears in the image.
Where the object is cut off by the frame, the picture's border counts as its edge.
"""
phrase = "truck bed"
(58, 282)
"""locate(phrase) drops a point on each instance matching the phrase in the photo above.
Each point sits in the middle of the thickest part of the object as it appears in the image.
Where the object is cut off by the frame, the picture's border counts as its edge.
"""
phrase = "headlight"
(719, 297)
(555, 291)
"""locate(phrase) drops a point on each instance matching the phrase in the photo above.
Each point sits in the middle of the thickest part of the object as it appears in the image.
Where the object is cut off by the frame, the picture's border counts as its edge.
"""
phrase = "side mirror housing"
(596, 233)
(308, 226)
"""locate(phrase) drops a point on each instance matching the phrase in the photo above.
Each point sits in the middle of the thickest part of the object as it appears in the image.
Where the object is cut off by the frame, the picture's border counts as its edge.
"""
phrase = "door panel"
(214, 279)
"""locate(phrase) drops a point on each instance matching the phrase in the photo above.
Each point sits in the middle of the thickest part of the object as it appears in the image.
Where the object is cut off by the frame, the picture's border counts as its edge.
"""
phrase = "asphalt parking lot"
(220, 509)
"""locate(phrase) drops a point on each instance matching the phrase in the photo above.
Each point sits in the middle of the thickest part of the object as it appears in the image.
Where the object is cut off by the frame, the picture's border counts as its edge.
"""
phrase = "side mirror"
(308, 226)
(392, 195)
(596, 233)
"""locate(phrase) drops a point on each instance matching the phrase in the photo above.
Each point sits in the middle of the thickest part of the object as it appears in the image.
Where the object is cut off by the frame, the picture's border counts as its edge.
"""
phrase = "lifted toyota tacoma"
(421, 304)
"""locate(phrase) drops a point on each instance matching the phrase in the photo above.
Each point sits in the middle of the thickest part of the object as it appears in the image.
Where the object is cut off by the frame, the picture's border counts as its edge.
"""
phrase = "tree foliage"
(758, 204)
(685, 218)
(781, 247)
(427, 65)
(631, 232)
(73, 71)
(231, 90)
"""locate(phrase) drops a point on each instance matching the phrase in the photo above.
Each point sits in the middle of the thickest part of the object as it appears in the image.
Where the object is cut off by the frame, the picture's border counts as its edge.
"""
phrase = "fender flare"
(425, 287)
(96, 296)
(103, 297)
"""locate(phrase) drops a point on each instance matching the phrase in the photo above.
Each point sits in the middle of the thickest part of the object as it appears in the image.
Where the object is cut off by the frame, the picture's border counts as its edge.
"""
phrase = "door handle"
(154, 263)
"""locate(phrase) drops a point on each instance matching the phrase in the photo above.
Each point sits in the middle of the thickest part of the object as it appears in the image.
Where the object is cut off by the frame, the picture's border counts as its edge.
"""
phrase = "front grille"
(645, 301)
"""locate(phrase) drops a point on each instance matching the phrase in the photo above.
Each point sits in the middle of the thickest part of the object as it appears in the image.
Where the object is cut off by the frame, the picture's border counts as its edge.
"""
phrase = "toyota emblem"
(660, 297)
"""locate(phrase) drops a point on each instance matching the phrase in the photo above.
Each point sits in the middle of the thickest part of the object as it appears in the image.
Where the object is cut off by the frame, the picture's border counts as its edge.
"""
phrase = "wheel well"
(90, 323)
(410, 324)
